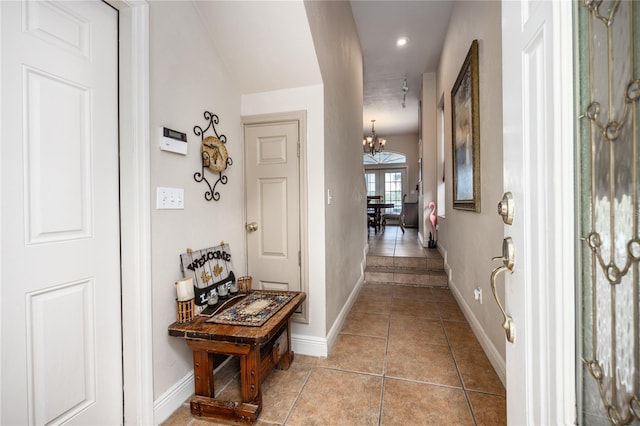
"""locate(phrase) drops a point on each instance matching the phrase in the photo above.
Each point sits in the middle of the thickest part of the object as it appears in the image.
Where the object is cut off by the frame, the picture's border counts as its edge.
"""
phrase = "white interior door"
(538, 171)
(61, 357)
(272, 178)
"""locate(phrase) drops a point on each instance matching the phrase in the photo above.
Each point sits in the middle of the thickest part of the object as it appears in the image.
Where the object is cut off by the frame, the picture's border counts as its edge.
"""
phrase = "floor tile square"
(373, 305)
(477, 373)
(366, 324)
(338, 398)
(461, 337)
(489, 410)
(429, 332)
(415, 360)
(376, 290)
(413, 307)
(408, 403)
(443, 295)
(309, 360)
(411, 292)
(182, 416)
(450, 311)
(357, 353)
(280, 390)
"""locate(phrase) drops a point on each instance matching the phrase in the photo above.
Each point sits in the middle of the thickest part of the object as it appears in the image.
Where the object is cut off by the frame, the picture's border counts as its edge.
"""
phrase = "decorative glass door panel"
(608, 132)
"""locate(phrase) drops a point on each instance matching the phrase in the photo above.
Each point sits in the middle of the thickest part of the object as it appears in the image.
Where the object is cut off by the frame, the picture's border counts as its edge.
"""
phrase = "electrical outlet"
(169, 198)
(477, 294)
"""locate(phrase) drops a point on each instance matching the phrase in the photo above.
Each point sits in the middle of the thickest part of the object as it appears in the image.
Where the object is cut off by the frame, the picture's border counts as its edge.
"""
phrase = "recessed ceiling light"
(401, 41)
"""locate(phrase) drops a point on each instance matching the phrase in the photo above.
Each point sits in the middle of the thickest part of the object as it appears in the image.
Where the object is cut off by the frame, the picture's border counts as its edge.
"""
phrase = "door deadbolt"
(251, 227)
(505, 208)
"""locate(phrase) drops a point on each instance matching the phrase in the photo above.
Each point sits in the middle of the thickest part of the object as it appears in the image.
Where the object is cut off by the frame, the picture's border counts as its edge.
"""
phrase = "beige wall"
(187, 78)
(407, 145)
(469, 239)
(429, 157)
(340, 58)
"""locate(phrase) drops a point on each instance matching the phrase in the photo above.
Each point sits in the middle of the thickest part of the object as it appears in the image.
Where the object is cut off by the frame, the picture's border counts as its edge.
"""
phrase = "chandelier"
(373, 143)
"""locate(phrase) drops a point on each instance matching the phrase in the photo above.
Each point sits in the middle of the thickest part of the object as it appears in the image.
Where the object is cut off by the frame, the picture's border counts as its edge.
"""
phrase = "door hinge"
(298, 149)
(299, 258)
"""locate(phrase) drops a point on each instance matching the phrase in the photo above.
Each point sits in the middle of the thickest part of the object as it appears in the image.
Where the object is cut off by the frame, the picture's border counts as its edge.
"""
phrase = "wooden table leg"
(287, 357)
(250, 377)
(203, 373)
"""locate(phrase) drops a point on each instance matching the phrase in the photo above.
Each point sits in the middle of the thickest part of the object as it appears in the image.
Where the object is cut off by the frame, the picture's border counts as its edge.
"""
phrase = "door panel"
(608, 139)
(58, 204)
(537, 169)
(60, 274)
(272, 191)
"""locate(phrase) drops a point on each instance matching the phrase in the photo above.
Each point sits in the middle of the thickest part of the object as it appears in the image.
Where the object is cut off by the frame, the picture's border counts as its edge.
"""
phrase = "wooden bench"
(260, 349)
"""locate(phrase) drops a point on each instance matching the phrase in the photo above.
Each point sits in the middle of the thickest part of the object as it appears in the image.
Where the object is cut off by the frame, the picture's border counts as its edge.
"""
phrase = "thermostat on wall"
(173, 141)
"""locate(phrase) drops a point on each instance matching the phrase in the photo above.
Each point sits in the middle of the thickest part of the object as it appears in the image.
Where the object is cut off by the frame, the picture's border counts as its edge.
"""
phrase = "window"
(384, 157)
(393, 190)
(389, 183)
(370, 179)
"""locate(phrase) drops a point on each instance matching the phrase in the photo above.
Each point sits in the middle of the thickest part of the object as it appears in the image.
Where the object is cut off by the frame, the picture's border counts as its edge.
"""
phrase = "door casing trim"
(135, 211)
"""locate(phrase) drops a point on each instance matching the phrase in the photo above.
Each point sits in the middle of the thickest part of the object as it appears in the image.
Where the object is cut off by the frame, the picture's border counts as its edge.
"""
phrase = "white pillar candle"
(184, 289)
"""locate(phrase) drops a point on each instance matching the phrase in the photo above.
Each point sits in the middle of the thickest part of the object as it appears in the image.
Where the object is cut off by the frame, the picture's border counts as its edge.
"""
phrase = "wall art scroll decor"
(213, 154)
(465, 116)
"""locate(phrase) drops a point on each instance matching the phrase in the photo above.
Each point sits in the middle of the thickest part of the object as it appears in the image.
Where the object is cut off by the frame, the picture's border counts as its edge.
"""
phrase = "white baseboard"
(173, 398)
(309, 345)
(342, 317)
(490, 350)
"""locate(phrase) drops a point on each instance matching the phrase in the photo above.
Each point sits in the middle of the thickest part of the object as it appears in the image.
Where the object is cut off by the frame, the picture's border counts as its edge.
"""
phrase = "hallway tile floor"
(405, 356)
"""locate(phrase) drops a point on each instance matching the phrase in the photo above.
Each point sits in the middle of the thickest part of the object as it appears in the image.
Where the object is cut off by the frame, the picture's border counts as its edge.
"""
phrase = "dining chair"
(396, 217)
(371, 213)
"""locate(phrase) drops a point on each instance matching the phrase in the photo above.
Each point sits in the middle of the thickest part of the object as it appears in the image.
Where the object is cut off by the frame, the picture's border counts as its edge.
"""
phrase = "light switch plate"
(169, 198)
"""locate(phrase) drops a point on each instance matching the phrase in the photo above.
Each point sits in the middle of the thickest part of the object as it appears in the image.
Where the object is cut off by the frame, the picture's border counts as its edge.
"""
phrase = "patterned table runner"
(254, 310)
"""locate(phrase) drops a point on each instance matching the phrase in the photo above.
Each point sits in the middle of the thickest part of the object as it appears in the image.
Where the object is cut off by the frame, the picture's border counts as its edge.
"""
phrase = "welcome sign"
(209, 268)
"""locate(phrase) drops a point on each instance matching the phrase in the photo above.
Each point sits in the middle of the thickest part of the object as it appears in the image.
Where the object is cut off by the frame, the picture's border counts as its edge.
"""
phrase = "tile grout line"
(295, 400)
(455, 362)
(384, 368)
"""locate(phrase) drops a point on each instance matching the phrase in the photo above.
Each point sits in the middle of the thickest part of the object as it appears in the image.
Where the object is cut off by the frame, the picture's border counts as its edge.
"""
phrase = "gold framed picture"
(465, 121)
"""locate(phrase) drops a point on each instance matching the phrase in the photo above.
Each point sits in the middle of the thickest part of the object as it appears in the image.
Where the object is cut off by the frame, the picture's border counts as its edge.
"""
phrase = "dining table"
(375, 220)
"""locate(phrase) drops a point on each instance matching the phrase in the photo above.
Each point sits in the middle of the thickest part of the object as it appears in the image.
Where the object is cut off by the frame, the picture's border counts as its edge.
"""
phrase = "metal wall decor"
(609, 160)
(214, 155)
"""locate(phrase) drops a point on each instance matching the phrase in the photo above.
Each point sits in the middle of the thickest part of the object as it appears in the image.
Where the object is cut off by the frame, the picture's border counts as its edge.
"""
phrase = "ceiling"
(270, 33)
(379, 25)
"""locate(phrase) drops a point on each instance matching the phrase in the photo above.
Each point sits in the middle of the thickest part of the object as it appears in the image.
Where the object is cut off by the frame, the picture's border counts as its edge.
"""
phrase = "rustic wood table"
(260, 349)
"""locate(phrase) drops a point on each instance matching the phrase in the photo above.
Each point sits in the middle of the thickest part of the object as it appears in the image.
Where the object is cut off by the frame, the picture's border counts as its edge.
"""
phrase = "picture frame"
(465, 137)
